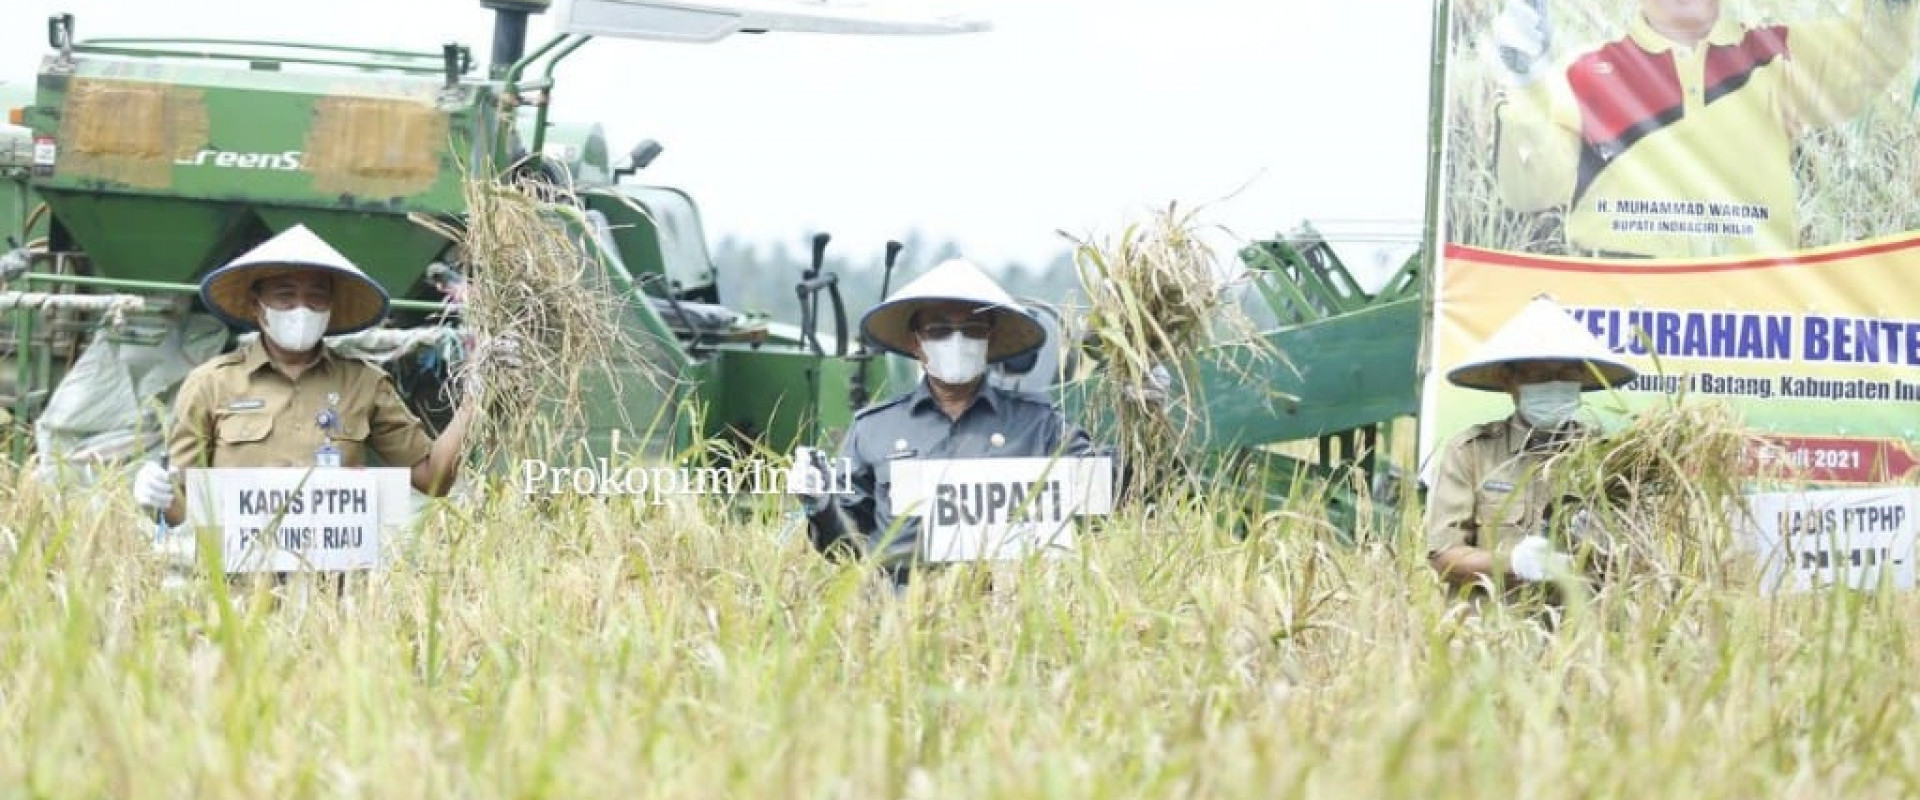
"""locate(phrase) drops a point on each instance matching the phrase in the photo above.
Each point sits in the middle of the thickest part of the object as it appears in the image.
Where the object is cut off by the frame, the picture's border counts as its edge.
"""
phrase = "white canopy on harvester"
(702, 21)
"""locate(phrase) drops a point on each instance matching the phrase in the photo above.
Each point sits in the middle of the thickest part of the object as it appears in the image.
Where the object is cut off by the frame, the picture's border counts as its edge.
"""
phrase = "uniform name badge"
(329, 421)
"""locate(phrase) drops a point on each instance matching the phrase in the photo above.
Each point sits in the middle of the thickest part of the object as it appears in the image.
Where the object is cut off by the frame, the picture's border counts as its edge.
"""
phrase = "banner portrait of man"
(1676, 128)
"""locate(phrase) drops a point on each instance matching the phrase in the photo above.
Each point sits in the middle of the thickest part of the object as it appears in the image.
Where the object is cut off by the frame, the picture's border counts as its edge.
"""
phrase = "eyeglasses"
(943, 330)
(286, 299)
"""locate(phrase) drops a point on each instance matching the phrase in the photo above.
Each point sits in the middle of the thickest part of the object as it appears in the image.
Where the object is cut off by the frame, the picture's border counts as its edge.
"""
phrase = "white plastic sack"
(110, 404)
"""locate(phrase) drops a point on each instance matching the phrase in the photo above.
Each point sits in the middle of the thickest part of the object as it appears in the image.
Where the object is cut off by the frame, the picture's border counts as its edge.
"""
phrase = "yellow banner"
(1822, 348)
(1728, 196)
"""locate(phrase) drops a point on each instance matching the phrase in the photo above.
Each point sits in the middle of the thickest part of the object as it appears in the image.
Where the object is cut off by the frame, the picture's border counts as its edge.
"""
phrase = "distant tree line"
(760, 276)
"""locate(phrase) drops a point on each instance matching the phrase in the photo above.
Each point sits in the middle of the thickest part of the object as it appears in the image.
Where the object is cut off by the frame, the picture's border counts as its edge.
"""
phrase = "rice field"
(600, 648)
(575, 647)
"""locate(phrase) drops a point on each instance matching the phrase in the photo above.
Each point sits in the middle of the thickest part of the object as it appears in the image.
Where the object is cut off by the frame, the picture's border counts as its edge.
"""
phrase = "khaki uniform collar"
(255, 356)
(1725, 33)
(1518, 432)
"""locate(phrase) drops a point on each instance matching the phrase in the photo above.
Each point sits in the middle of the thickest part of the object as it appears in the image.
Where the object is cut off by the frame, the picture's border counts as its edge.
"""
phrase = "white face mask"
(1550, 404)
(297, 329)
(955, 359)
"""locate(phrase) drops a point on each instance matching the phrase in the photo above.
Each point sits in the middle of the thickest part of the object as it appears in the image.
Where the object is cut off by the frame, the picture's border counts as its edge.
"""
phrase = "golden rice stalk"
(1664, 492)
(1156, 305)
(530, 257)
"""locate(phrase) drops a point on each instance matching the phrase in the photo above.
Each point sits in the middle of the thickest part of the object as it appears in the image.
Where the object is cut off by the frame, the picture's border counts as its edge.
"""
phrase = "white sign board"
(1813, 539)
(298, 519)
(984, 509)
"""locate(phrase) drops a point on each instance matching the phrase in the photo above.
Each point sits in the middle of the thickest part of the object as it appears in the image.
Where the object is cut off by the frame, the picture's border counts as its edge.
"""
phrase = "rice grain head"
(531, 258)
(1156, 305)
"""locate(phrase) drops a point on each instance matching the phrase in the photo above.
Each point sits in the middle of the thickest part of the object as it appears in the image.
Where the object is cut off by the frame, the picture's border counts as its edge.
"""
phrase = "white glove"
(1521, 35)
(1534, 560)
(152, 487)
(1159, 380)
(807, 477)
(1582, 526)
(501, 352)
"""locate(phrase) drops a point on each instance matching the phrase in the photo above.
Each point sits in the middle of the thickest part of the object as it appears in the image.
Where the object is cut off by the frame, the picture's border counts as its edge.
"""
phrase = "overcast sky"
(1070, 114)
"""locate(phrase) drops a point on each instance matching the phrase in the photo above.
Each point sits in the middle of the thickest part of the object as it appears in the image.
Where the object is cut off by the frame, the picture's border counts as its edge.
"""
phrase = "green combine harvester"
(135, 166)
(132, 167)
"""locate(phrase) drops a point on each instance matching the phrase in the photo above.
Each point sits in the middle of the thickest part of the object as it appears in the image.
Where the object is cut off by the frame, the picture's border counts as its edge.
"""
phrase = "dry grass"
(533, 278)
(607, 649)
(1661, 492)
(1156, 302)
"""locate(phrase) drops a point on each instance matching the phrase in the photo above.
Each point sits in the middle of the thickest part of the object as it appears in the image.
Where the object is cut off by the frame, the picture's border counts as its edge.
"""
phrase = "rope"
(115, 306)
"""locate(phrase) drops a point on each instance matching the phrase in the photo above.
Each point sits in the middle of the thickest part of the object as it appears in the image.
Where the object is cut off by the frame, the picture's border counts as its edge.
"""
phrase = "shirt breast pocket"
(235, 430)
(354, 429)
(351, 439)
(1500, 506)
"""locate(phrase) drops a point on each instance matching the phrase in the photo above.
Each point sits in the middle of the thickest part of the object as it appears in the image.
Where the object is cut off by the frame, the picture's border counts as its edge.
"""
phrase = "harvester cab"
(131, 167)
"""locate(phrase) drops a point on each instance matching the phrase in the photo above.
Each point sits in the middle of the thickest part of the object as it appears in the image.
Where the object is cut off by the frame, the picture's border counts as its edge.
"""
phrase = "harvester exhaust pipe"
(857, 392)
(510, 31)
(886, 278)
(812, 283)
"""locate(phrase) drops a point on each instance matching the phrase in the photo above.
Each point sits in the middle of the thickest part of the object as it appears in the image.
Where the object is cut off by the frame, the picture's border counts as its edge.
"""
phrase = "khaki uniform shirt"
(239, 410)
(1489, 490)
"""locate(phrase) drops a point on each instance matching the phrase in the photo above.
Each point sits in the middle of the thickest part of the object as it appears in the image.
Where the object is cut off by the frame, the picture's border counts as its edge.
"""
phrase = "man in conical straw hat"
(1488, 500)
(955, 321)
(288, 399)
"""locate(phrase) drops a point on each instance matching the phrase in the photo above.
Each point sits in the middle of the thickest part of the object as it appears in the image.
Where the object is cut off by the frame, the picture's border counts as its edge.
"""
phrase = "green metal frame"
(1436, 147)
(510, 82)
(33, 366)
(90, 45)
(512, 86)
(182, 288)
(140, 46)
(1315, 286)
(1352, 368)
(24, 366)
(540, 116)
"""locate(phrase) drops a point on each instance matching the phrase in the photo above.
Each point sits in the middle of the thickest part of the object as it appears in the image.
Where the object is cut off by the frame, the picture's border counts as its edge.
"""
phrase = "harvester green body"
(141, 165)
(1338, 366)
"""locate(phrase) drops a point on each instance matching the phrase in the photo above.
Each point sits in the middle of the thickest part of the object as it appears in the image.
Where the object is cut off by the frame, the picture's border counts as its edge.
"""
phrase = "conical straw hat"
(358, 302)
(1015, 332)
(1543, 331)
